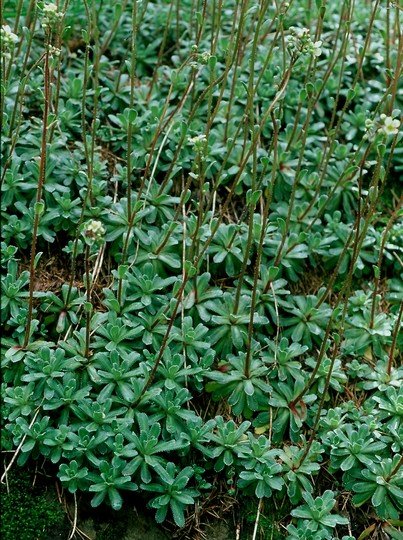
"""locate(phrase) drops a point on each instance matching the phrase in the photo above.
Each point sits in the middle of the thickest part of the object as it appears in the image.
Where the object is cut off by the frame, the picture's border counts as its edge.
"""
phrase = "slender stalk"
(88, 311)
(84, 97)
(16, 23)
(130, 126)
(14, 135)
(58, 45)
(19, 95)
(380, 256)
(94, 124)
(161, 49)
(41, 181)
(320, 408)
(115, 26)
(388, 40)
(399, 62)
(251, 116)
(394, 341)
(269, 193)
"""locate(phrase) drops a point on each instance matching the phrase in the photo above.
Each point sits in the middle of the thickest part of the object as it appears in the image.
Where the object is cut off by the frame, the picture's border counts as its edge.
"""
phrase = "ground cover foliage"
(202, 251)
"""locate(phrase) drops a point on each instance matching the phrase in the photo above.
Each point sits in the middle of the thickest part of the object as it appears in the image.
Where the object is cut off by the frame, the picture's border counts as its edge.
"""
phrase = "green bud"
(122, 269)
(61, 322)
(37, 257)
(381, 150)
(39, 207)
(309, 89)
(117, 11)
(132, 115)
(212, 61)
(272, 273)
(190, 269)
(253, 197)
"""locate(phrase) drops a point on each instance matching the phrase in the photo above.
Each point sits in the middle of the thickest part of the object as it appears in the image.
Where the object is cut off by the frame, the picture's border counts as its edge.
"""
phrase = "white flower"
(299, 41)
(198, 139)
(7, 36)
(93, 231)
(50, 8)
(317, 48)
(390, 126)
(50, 15)
(302, 32)
(96, 227)
(8, 41)
(199, 145)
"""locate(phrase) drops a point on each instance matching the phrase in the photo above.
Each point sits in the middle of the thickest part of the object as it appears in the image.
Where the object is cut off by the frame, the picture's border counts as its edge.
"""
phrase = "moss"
(110, 524)
(27, 512)
(269, 520)
(112, 531)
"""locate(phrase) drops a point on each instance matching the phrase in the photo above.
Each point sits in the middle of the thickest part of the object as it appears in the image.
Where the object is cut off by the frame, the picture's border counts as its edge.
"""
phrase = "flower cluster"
(203, 58)
(387, 126)
(200, 58)
(53, 51)
(93, 232)
(50, 15)
(8, 40)
(369, 124)
(199, 144)
(390, 126)
(299, 42)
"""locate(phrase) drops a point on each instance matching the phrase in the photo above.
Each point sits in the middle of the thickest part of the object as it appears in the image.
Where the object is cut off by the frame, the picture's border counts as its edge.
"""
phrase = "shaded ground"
(34, 508)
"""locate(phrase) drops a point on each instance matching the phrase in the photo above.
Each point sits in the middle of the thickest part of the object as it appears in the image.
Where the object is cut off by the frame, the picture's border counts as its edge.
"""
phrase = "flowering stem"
(130, 126)
(88, 307)
(256, 273)
(380, 256)
(19, 98)
(41, 181)
(322, 401)
(395, 334)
